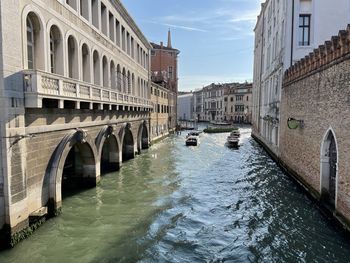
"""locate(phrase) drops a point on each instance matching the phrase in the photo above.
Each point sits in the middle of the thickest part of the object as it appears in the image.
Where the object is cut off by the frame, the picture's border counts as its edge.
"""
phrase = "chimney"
(169, 39)
(161, 44)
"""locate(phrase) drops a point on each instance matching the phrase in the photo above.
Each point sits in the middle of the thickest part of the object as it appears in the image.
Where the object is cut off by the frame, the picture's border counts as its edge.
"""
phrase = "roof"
(156, 46)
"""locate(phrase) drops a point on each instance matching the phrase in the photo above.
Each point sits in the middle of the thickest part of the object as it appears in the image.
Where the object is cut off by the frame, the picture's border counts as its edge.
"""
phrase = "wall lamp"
(295, 124)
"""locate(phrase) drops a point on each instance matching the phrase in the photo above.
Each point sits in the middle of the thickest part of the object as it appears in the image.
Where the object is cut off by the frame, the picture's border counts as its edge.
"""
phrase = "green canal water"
(179, 204)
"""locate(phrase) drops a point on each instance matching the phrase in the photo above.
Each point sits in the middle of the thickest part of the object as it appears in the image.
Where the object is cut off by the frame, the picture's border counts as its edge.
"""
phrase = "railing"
(45, 85)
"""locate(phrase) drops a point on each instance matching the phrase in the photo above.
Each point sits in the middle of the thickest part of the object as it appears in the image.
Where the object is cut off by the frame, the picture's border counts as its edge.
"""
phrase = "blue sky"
(215, 37)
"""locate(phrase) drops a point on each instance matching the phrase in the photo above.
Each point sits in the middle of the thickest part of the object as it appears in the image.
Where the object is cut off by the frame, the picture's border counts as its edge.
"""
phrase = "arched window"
(133, 84)
(86, 63)
(73, 68)
(97, 68)
(30, 44)
(105, 71)
(113, 76)
(129, 83)
(56, 51)
(119, 79)
(125, 82)
(138, 87)
(34, 42)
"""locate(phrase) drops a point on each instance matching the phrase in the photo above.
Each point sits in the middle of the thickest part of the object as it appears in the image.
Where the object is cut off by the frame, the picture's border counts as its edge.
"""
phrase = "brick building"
(315, 139)
(164, 67)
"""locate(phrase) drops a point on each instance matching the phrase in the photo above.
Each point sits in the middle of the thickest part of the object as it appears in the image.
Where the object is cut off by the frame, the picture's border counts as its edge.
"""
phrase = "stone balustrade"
(39, 85)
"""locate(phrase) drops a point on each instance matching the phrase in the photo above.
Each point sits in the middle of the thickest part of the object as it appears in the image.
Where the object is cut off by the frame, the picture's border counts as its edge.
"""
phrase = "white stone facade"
(185, 105)
(286, 31)
(64, 54)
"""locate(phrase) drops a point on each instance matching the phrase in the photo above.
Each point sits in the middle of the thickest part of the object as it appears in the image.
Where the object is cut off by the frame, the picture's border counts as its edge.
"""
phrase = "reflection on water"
(189, 204)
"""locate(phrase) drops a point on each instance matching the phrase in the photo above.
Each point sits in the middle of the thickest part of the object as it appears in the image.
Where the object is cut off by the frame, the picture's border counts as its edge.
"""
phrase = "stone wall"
(317, 91)
(31, 156)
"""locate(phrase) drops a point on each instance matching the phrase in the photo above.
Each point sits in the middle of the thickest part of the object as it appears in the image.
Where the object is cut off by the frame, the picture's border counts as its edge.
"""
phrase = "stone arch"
(329, 168)
(142, 137)
(85, 62)
(89, 169)
(34, 46)
(108, 146)
(56, 47)
(128, 142)
(73, 57)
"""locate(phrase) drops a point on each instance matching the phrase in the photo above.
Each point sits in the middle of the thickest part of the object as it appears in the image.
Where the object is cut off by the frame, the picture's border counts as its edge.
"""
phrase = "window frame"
(302, 28)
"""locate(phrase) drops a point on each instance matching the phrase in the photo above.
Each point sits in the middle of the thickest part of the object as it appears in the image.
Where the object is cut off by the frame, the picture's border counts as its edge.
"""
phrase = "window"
(56, 51)
(94, 8)
(153, 53)
(104, 19)
(30, 43)
(239, 97)
(170, 72)
(84, 9)
(304, 30)
(239, 108)
(72, 4)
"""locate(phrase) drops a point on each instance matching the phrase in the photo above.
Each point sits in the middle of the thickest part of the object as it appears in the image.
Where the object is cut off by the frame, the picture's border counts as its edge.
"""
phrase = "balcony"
(40, 85)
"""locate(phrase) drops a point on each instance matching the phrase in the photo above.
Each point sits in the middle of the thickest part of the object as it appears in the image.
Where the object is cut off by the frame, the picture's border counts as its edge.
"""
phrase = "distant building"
(238, 103)
(231, 102)
(161, 98)
(164, 69)
(185, 107)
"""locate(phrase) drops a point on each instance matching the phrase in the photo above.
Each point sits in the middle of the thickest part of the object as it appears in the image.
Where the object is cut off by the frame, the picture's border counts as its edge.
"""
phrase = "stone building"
(315, 139)
(162, 100)
(74, 100)
(229, 102)
(286, 31)
(238, 103)
(164, 66)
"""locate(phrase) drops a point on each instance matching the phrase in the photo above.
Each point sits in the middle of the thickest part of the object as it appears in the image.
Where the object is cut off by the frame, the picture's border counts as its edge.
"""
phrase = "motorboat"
(235, 133)
(192, 141)
(232, 141)
(193, 133)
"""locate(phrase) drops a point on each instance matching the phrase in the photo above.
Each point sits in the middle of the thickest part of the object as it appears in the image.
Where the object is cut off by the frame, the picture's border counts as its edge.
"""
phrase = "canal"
(179, 204)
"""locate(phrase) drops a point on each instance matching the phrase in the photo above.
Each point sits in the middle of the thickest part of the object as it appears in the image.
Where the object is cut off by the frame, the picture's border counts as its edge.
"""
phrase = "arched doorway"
(110, 155)
(329, 163)
(128, 151)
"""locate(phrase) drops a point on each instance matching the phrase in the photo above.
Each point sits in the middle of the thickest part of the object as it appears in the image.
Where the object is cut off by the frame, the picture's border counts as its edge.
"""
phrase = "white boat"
(192, 141)
(232, 141)
(193, 133)
(235, 133)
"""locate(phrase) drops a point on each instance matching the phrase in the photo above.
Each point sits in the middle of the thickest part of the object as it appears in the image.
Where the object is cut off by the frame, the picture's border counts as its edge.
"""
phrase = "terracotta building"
(165, 73)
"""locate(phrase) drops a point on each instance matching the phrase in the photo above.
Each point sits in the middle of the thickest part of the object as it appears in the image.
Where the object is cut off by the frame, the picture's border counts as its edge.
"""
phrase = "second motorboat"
(233, 139)
(192, 138)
